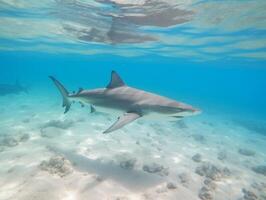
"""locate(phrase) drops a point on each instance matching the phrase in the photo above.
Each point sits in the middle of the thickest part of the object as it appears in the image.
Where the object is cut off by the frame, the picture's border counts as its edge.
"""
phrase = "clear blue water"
(209, 54)
(235, 87)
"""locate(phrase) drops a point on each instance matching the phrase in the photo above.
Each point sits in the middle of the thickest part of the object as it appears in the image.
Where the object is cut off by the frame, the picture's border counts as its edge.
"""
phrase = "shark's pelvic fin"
(93, 110)
(64, 93)
(116, 81)
(122, 121)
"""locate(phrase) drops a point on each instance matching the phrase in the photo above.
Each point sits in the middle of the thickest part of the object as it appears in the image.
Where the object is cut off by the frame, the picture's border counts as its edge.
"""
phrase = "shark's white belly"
(159, 117)
(150, 116)
(111, 111)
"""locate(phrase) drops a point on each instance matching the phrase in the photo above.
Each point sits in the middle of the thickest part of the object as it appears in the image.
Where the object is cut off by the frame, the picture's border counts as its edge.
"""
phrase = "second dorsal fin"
(116, 81)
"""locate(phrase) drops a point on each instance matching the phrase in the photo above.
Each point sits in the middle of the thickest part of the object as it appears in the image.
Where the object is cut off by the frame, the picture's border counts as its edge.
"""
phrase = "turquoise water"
(208, 54)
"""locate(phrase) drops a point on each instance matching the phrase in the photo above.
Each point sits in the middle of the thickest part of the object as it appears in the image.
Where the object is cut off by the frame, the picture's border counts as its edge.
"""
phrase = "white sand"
(99, 161)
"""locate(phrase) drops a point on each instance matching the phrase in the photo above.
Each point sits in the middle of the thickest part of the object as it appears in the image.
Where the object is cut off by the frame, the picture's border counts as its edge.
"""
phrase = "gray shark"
(16, 88)
(127, 102)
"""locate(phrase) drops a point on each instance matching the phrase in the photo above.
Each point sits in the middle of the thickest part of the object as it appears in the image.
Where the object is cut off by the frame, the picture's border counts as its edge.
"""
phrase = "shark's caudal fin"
(64, 93)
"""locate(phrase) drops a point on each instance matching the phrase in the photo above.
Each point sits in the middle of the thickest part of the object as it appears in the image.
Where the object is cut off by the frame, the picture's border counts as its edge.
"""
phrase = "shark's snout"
(189, 110)
(194, 111)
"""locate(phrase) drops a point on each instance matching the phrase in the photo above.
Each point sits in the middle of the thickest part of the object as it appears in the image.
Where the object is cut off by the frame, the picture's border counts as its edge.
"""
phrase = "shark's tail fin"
(64, 93)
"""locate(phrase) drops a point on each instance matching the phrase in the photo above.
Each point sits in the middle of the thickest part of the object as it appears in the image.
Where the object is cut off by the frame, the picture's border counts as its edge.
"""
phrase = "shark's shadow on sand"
(132, 179)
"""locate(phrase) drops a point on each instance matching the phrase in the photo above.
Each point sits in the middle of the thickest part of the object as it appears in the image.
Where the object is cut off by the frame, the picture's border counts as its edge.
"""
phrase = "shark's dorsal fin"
(116, 81)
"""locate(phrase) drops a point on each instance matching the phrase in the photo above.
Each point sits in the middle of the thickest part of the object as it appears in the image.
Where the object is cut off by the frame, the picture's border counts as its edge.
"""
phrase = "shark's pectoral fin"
(123, 120)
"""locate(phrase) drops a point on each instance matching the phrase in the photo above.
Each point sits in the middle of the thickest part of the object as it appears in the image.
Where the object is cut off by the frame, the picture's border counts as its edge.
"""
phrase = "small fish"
(127, 102)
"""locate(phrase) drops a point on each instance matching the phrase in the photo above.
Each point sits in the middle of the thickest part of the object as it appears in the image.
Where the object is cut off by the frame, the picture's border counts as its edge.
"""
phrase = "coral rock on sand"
(261, 169)
(161, 189)
(222, 155)
(57, 165)
(23, 138)
(197, 158)
(9, 141)
(156, 168)
(211, 171)
(65, 124)
(51, 132)
(260, 188)
(248, 195)
(205, 193)
(226, 172)
(199, 138)
(98, 178)
(128, 164)
(12, 141)
(171, 186)
(184, 179)
(209, 183)
(246, 152)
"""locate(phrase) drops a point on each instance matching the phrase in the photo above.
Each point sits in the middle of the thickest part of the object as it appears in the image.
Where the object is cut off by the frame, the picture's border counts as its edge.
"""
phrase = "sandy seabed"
(45, 154)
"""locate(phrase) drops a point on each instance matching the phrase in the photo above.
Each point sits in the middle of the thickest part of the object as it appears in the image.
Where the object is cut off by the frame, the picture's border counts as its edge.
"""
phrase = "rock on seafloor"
(197, 157)
(51, 132)
(128, 164)
(261, 169)
(211, 171)
(57, 165)
(246, 152)
(222, 155)
(205, 193)
(23, 138)
(13, 140)
(156, 168)
(249, 195)
(210, 183)
(260, 188)
(171, 186)
(62, 124)
(184, 179)
(199, 138)
(9, 141)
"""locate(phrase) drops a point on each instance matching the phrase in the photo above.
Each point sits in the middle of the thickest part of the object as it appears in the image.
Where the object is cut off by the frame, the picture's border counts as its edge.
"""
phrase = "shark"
(129, 103)
(16, 88)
